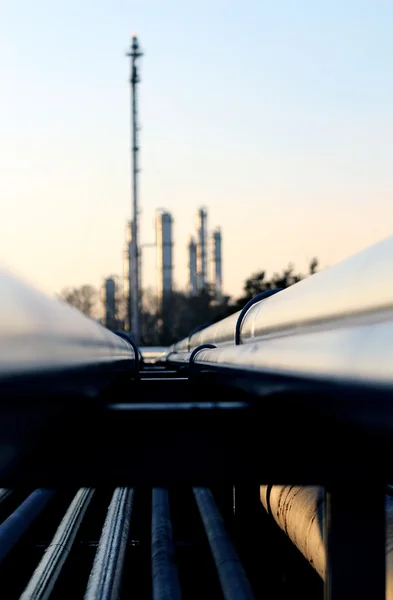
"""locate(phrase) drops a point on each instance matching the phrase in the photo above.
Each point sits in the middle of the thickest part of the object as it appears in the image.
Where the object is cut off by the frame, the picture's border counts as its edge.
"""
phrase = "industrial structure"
(127, 283)
(134, 292)
(108, 303)
(137, 471)
(164, 246)
(204, 261)
(186, 465)
(217, 262)
(198, 258)
(202, 248)
(192, 267)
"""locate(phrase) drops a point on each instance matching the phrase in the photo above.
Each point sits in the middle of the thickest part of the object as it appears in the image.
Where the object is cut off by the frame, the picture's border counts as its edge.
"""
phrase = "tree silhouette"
(257, 283)
(313, 266)
(165, 323)
(83, 298)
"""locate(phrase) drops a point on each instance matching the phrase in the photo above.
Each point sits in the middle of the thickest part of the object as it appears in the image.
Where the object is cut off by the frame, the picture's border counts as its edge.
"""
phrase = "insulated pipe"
(355, 353)
(219, 333)
(41, 335)
(299, 512)
(357, 286)
(320, 301)
(178, 358)
(246, 308)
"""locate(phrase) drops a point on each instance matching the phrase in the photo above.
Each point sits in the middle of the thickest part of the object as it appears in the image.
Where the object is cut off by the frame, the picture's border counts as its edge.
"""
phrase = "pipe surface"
(39, 334)
(4, 493)
(153, 354)
(299, 512)
(106, 574)
(16, 525)
(219, 333)
(355, 288)
(166, 585)
(233, 579)
(47, 572)
(356, 352)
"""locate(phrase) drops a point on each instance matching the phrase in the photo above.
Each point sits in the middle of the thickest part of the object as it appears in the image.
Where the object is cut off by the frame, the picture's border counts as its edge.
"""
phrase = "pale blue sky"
(278, 116)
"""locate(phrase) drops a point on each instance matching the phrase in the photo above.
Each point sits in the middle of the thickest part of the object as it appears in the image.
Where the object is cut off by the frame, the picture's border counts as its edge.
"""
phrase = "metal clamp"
(137, 352)
(250, 303)
(197, 349)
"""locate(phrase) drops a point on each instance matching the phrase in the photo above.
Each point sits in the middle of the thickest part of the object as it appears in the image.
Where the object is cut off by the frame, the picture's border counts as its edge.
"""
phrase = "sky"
(275, 115)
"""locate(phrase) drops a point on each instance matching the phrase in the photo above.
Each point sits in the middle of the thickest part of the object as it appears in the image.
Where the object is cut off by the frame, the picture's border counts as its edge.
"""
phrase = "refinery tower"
(108, 303)
(192, 267)
(201, 249)
(198, 258)
(164, 244)
(216, 242)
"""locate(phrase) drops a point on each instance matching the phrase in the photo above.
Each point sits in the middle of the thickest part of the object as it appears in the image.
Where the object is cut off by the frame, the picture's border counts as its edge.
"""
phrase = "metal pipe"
(41, 335)
(299, 511)
(330, 296)
(47, 572)
(355, 352)
(153, 354)
(233, 579)
(16, 525)
(177, 406)
(4, 493)
(166, 583)
(219, 333)
(321, 302)
(106, 574)
(246, 308)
